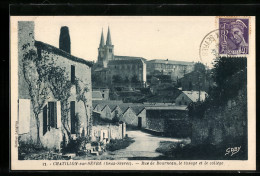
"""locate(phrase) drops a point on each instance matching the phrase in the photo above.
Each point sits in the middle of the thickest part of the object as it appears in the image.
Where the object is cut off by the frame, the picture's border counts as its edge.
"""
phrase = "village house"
(54, 90)
(168, 121)
(186, 97)
(96, 95)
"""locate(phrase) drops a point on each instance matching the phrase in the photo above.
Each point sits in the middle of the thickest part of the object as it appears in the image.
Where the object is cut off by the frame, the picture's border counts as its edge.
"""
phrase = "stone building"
(175, 69)
(48, 79)
(168, 121)
(186, 97)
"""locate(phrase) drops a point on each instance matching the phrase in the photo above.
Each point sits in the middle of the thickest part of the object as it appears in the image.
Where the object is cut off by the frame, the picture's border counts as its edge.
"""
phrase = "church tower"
(101, 50)
(105, 52)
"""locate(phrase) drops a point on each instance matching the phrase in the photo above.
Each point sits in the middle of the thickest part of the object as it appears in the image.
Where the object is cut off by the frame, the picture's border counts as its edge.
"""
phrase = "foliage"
(230, 77)
(199, 67)
(117, 144)
(82, 90)
(126, 80)
(116, 117)
(117, 79)
(74, 146)
(36, 79)
(96, 79)
(25, 148)
(164, 78)
(182, 151)
(134, 79)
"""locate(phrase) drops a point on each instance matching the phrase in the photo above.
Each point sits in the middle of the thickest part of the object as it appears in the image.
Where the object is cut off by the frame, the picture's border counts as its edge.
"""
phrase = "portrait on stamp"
(233, 36)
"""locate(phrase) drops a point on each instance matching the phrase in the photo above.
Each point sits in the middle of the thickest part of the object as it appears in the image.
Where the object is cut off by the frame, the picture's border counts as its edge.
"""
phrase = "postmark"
(209, 50)
(234, 36)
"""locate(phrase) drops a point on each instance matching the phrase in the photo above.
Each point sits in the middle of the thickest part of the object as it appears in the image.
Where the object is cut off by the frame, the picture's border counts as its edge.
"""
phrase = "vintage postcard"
(133, 93)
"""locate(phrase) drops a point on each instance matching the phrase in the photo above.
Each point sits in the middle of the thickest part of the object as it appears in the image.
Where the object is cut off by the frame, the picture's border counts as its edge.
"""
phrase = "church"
(126, 68)
(134, 70)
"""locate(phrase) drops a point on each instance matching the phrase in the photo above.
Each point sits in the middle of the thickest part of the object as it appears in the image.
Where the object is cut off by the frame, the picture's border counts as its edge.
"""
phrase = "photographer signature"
(232, 151)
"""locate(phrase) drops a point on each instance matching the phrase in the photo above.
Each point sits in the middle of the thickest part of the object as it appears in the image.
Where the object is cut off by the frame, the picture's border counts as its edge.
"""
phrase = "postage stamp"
(132, 93)
(234, 36)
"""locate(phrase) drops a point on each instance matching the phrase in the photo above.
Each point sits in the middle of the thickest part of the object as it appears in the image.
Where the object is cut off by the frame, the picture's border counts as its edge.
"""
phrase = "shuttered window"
(72, 116)
(52, 106)
(72, 74)
(50, 118)
(45, 120)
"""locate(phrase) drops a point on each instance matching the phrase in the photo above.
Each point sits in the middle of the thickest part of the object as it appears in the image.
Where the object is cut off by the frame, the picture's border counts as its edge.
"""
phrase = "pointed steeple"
(108, 42)
(102, 43)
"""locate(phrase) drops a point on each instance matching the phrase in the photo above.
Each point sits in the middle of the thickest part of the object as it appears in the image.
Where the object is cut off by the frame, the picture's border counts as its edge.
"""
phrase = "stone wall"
(227, 122)
(107, 132)
(170, 122)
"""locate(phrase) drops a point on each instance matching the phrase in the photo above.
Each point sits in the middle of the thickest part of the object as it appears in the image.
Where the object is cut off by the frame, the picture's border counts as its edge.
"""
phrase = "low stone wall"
(107, 132)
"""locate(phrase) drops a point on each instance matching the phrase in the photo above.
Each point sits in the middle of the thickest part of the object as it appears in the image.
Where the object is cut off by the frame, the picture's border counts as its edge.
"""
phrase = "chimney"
(64, 43)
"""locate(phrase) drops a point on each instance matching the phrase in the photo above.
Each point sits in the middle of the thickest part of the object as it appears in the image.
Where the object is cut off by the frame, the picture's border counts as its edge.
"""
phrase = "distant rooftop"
(96, 95)
(166, 108)
(128, 58)
(194, 95)
(161, 61)
(130, 61)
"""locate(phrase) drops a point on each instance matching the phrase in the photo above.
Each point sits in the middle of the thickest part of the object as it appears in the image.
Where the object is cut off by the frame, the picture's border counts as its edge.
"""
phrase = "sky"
(160, 37)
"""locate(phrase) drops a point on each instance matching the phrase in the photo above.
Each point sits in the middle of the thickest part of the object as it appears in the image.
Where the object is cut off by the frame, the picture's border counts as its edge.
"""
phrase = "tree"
(126, 79)
(134, 79)
(82, 89)
(36, 80)
(200, 67)
(96, 79)
(117, 79)
(224, 71)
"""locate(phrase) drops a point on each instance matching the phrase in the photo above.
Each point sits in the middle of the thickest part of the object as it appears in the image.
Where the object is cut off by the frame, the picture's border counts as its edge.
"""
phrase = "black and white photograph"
(132, 92)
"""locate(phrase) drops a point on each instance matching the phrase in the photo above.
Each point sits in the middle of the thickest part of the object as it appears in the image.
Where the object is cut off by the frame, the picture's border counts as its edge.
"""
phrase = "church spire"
(108, 42)
(102, 40)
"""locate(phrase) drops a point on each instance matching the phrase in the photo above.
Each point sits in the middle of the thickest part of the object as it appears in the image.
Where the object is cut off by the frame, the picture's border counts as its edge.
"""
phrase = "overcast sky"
(173, 38)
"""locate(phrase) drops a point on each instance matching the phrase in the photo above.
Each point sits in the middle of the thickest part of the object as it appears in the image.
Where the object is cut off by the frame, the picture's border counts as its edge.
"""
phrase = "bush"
(117, 144)
(74, 146)
(29, 147)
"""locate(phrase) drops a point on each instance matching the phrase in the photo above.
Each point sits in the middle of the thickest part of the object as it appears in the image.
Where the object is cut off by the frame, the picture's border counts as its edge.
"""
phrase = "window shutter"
(49, 116)
(54, 115)
(72, 116)
(45, 120)
(58, 115)
(24, 114)
(72, 74)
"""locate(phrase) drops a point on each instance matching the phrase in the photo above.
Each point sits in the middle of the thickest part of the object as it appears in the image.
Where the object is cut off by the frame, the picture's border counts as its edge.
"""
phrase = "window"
(39, 53)
(182, 98)
(110, 50)
(72, 74)
(180, 103)
(103, 95)
(185, 103)
(45, 122)
(72, 117)
(50, 116)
